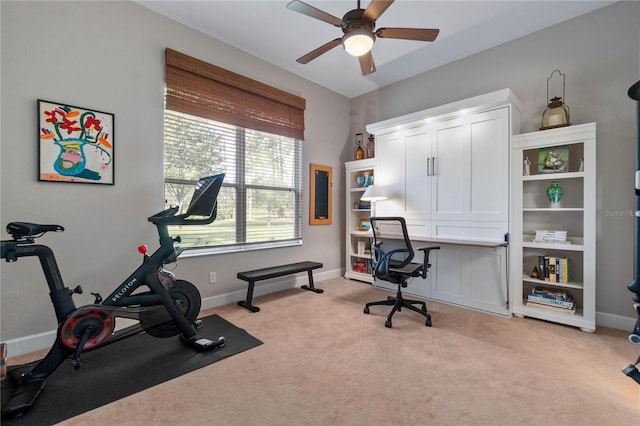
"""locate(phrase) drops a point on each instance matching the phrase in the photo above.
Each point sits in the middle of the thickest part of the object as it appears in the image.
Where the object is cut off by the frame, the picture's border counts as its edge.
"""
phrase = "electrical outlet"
(212, 277)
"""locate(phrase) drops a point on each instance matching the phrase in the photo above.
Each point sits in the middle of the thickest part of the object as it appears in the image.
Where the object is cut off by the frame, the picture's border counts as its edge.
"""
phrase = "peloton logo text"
(124, 290)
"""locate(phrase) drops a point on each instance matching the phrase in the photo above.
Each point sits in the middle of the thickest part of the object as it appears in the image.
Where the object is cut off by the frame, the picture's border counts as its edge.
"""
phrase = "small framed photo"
(365, 225)
(74, 144)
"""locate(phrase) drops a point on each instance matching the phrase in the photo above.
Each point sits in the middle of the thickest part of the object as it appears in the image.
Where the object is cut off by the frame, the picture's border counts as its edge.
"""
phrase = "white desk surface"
(452, 241)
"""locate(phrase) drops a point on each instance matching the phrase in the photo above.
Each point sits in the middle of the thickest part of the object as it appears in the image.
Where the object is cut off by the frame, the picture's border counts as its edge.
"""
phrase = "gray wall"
(110, 56)
(599, 53)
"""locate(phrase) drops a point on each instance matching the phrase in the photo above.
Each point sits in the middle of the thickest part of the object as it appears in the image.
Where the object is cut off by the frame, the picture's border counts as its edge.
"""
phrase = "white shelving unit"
(531, 211)
(358, 254)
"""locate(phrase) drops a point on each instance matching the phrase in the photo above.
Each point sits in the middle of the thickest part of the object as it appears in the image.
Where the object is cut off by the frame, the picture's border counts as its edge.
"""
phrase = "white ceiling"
(270, 31)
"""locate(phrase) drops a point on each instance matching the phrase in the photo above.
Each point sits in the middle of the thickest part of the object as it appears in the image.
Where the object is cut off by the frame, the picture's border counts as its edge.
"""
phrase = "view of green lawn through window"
(261, 197)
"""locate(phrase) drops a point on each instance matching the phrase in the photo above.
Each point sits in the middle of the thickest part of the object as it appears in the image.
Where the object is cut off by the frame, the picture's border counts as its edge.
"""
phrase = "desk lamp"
(373, 194)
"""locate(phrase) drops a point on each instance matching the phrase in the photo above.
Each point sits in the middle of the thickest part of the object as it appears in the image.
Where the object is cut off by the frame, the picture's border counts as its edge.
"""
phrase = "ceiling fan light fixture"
(358, 42)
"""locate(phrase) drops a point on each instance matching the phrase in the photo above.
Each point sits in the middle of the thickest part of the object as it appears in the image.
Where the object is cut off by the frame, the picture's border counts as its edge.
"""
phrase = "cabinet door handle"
(433, 166)
(428, 167)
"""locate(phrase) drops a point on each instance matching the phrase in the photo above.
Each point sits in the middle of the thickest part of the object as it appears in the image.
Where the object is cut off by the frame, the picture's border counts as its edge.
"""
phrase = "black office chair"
(395, 265)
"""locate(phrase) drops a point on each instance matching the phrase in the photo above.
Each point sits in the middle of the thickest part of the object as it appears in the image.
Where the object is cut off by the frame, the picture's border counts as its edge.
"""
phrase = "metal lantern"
(557, 113)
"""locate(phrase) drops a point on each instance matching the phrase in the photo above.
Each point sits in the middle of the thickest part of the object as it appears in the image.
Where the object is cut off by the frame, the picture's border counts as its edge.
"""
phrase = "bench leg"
(247, 303)
(310, 286)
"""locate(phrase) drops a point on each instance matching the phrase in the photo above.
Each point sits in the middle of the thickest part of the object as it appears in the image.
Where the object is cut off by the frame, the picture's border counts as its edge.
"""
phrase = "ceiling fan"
(358, 26)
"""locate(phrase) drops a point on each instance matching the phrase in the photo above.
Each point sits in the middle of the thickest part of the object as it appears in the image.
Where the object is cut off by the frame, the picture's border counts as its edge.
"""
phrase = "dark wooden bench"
(276, 271)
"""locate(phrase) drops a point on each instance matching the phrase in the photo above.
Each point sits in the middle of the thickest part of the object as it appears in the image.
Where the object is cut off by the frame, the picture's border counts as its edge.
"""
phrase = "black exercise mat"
(124, 368)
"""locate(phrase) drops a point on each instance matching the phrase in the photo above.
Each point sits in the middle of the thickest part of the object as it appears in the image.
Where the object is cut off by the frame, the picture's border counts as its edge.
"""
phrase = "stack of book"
(556, 300)
(551, 237)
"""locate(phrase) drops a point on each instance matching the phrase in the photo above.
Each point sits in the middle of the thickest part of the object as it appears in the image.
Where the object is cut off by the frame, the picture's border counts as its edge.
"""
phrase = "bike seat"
(26, 229)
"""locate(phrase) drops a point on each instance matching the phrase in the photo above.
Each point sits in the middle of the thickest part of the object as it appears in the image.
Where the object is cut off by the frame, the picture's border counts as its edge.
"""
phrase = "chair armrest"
(382, 261)
(425, 260)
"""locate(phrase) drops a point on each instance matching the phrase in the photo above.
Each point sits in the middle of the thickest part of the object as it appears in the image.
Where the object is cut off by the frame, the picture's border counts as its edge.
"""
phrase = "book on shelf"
(551, 293)
(543, 272)
(551, 296)
(566, 276)
(554, 269)
(561, 310)
(545, 234)
(551, 302)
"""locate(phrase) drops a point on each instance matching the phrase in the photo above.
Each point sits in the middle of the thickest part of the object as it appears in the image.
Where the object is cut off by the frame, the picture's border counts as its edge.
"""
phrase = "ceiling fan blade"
(377, 8)
(319, 51)
(311, 11)
(420, 34)
(366, 63)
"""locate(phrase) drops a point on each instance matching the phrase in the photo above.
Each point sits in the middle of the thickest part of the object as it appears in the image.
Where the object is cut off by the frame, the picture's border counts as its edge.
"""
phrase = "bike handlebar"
(169, 217)
(171, 211)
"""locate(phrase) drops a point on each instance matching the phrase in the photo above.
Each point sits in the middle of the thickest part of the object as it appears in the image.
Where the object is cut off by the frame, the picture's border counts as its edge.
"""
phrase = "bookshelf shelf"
(553, 176)
(550, 210)
(536, 281)
(531, 211)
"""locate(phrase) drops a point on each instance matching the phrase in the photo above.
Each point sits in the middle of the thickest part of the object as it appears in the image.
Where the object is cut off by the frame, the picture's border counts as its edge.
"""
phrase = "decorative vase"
(555, 193)
(370, 148)
(359, 149)
(71, 161)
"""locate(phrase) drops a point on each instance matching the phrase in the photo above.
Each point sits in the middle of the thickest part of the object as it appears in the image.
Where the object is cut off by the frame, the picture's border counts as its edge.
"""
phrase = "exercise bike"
(631, 370)
(164, 306)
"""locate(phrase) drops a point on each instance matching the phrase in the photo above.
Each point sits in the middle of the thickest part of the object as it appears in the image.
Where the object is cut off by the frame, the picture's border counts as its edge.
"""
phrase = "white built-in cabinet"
(449, 178)
(402, 174)
(446, 171)
(576, 215)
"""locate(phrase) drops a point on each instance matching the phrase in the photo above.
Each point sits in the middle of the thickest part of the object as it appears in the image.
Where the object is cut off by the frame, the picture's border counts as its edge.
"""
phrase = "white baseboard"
(36, 342)
(615, 321)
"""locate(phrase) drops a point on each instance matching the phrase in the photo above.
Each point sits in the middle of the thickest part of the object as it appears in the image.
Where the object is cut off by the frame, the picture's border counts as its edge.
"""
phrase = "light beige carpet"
(324, 362)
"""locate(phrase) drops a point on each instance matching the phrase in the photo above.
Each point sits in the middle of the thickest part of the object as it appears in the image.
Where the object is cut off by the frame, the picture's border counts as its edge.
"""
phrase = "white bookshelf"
(530, 210)
(356, 211)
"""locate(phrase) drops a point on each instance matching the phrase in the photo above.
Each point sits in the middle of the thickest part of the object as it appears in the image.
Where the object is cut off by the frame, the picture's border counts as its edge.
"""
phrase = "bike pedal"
(203, 344)
(75, 360)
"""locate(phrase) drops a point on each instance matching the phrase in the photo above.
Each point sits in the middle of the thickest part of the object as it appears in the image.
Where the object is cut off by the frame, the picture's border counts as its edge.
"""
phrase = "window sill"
(238, 248)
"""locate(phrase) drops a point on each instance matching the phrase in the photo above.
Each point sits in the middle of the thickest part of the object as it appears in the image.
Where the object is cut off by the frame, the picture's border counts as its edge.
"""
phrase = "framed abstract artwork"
(74, 144)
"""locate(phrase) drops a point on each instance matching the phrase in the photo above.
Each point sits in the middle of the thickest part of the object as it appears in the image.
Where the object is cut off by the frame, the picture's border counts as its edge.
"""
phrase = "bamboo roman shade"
(201, 89)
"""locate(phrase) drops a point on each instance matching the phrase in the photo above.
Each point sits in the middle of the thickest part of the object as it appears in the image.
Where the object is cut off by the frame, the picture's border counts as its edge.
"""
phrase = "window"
(260, 203)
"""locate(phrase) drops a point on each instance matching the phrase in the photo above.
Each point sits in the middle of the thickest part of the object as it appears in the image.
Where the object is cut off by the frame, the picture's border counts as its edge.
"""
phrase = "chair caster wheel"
(428, 323)
(366, 310)
(387, 324)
